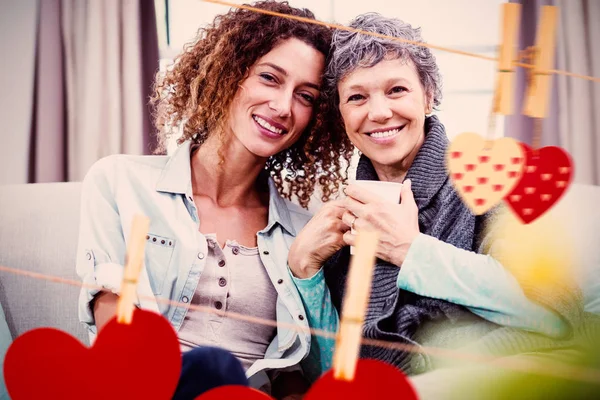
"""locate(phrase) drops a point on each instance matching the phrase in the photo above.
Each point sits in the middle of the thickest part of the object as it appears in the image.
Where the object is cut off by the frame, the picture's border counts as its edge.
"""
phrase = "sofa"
(38, 233)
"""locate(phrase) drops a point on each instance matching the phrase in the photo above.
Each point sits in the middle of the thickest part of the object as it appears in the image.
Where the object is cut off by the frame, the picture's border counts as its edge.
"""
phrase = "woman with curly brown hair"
(245, 94)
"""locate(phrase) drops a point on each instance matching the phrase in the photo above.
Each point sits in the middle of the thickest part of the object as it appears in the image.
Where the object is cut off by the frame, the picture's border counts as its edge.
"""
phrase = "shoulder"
(124, 163)
(488, 226)
(298, 215)
(115, 167)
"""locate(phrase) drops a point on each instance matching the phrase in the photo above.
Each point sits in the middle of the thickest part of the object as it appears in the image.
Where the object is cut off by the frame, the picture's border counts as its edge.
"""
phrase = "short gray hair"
(351, 50)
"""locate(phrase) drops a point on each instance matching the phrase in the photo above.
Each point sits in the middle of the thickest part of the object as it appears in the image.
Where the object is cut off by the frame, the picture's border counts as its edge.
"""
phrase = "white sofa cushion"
(38, 232)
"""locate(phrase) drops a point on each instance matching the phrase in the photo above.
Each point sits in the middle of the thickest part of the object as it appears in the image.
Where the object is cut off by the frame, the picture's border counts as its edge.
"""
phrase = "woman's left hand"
(397, 224)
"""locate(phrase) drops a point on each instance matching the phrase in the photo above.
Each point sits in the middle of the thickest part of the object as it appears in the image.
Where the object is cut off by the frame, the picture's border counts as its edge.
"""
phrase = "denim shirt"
(119, 186)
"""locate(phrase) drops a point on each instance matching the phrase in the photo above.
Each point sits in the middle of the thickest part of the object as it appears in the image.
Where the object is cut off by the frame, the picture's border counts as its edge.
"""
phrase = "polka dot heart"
(483, 172)
(547, 175)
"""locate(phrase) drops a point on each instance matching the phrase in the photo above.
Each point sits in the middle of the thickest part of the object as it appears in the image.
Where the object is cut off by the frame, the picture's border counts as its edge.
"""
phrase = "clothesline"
(553, 369)
(392, 38)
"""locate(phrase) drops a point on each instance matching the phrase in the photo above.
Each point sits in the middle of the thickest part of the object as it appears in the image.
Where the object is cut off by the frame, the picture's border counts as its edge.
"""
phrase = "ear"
(429, 104)
(428, 109)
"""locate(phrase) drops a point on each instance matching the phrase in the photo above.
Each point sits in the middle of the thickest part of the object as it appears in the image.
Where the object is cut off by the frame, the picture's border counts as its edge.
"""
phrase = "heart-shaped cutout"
(373, 380)
(232, 392)
(484, 172)
(122, 364)
(547, 174)
(137, 361)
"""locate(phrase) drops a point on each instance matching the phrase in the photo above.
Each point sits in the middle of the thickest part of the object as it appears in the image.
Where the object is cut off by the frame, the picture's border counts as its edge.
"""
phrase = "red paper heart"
(547, 174)
(233, 393)
(143, 361)
(373, 380)
(137, 361)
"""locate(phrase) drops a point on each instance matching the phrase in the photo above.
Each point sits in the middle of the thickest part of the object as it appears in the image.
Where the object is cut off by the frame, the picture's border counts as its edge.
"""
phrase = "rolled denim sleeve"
(321, 315)
(101, 245)
(479, 282)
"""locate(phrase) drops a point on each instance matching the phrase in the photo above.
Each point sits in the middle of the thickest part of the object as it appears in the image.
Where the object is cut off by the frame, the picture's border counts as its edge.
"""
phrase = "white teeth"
(384, 133)
(266, 125)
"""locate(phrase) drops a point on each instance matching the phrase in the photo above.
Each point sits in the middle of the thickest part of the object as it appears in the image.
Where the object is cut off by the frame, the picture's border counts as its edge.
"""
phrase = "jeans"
(205, 368)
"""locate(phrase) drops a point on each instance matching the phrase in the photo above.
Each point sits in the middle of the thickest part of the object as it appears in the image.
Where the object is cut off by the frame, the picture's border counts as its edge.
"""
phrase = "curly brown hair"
(199, 86)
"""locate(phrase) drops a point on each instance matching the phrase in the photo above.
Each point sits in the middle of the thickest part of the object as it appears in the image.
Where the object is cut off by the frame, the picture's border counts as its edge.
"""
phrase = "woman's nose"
(282, 104)
(379, 110)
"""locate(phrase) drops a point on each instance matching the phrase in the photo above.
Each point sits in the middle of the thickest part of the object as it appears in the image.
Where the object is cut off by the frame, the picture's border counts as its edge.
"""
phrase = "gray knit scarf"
(395, 315)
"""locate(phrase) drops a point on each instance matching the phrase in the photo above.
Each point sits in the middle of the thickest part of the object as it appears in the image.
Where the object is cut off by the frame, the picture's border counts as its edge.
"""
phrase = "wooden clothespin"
(537, 95)
(503, 104)
(358, 289)
(133, 266)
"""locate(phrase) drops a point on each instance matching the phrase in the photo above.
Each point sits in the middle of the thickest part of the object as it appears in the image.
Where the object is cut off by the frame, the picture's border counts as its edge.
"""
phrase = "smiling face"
(274, 104)
(383, 109)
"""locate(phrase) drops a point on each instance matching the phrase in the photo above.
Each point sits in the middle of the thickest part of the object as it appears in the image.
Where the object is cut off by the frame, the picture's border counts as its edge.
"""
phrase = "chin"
(263, 151)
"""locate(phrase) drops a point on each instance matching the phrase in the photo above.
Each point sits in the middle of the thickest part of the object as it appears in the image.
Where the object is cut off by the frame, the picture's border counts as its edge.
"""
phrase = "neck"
(390, 173)
(234, 182)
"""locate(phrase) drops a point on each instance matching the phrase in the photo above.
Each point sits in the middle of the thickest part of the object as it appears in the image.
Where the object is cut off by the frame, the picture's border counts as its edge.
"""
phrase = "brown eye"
(398, 89)
(355, 97)
(268, 77)
(308, 98)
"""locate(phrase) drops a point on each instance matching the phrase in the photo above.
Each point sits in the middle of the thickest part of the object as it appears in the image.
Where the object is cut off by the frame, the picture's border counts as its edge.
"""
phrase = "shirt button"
(280, 281)
(235, 250)
(218, 305)
(222, 282)
(185, 299)
(301, 317)
(221, 263)
(88, 256)
(201, 255)
(266, 252)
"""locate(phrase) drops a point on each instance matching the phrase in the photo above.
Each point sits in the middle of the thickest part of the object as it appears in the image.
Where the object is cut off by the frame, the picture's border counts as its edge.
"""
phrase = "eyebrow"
(284, 73)
(402, 81)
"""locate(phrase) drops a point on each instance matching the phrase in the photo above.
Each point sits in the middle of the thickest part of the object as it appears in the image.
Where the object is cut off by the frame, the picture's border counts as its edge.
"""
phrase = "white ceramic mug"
(388, 191)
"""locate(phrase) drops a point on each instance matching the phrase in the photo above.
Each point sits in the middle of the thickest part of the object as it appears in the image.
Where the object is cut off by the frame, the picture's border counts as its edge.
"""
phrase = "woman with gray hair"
(430, 266)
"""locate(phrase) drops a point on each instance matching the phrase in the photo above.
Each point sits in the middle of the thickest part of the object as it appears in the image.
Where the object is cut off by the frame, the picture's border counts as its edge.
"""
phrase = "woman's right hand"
(105, 308)
(321, 238)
